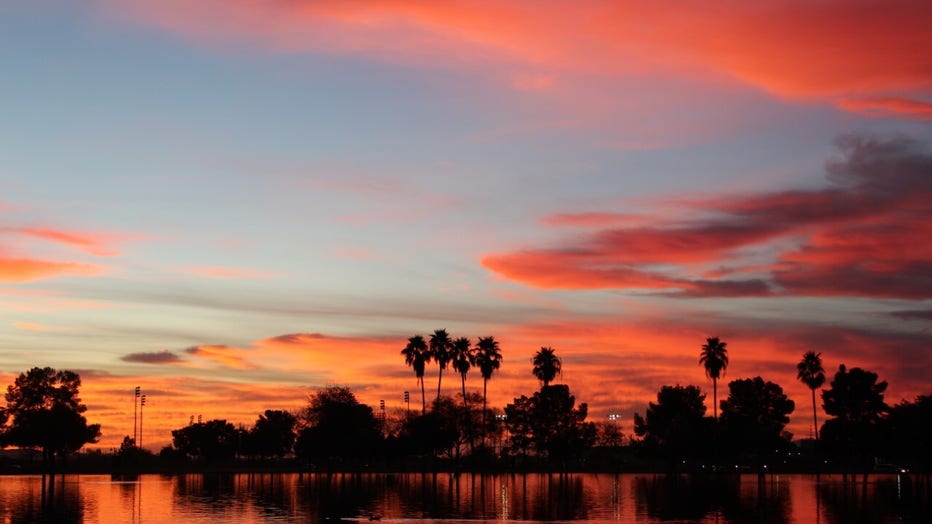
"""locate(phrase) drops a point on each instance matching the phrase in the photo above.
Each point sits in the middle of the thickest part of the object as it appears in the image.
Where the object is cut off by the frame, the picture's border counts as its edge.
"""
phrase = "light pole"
(135, 400)
(142, 403)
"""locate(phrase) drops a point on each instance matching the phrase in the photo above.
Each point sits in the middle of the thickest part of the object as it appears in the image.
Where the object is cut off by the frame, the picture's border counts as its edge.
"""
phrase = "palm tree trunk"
(465, 404)
(485, 396)
(715, 398)
(469, 433)
(815, 422)
(439, 380)
(423, 398)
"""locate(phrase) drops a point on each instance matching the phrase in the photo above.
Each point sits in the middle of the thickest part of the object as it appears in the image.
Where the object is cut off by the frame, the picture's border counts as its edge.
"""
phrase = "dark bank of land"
(44, 427)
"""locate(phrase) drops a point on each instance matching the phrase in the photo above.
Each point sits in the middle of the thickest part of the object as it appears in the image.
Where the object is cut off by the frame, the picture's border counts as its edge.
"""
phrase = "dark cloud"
(154, 357)
(913, 314)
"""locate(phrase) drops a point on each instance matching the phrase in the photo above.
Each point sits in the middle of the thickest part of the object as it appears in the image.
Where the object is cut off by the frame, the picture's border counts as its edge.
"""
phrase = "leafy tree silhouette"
(754, 416)
(810, 372)
(676, 424)
(337, 427)
(46, 414)
(212, 442)
(714, 358)
(551, 423)
(855, 400)
(273, 434)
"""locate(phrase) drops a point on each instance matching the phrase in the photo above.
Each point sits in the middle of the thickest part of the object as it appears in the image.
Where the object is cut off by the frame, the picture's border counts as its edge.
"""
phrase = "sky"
(232, 204)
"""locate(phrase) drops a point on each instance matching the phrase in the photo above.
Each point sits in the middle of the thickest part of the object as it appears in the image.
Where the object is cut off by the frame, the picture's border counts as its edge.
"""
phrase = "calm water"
(252, 498)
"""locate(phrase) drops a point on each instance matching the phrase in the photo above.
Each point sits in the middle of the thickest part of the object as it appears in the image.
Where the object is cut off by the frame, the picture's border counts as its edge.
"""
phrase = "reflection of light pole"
(142, 402)
(135, 399)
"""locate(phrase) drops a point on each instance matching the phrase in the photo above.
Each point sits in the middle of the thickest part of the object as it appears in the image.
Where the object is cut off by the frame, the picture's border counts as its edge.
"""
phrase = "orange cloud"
(824, 50)
(615, 364)
(30, 326)
(26, 270)
(224, 356)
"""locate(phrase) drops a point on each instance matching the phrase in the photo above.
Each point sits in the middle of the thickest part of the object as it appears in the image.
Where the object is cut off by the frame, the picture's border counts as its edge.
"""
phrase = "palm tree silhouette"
(546, 365)
(463, 359)
(488, 359)
(714, 357)
(440, 347)
(810, 372)
(417, 356)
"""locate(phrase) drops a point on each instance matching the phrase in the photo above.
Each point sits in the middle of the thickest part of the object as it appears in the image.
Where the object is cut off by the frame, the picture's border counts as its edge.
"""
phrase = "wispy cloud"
(888, 107)
(230, 273)
(224, 356)
(98, 244)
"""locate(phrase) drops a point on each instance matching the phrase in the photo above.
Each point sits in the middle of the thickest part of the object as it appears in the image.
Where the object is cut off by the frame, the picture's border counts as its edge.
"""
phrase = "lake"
(444, 497)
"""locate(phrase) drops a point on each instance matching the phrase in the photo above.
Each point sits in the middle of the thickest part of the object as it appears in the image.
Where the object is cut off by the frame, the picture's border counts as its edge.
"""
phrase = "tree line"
(545, 429)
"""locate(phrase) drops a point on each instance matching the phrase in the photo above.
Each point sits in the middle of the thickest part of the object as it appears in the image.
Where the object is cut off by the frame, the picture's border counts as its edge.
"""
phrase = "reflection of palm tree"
(809, 371)
(463, 358)
(417, 356)
(546, 365)
(488, 359)
(714, 357)
(440, 346)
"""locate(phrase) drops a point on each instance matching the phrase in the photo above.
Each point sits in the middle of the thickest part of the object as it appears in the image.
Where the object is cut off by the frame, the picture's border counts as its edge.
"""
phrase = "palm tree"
(417, 356)
(546, 365)
(714, 357)
(463, 359)
(488, 359)
(440, 351)
(810, 372)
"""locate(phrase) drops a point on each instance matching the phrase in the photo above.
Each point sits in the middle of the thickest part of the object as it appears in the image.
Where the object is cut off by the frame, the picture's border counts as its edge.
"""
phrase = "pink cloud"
(862, 235)
(99, 244)
(822, 50)
(888, 107)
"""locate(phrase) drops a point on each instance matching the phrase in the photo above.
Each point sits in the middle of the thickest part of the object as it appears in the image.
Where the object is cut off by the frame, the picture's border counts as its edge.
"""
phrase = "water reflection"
(249, 498)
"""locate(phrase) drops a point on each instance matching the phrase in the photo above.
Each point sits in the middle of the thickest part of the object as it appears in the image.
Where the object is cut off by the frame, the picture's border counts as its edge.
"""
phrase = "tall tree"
(551, 422)
(417, 356)
(213, 441)
(44, 412)
(463, 359)
(547, 365)
(337, 427)
(855, 400)
(488, 359)
(755, 415)
(714, 358)
(810, 372)
(273, 434)
(440, 351)
(675, 423)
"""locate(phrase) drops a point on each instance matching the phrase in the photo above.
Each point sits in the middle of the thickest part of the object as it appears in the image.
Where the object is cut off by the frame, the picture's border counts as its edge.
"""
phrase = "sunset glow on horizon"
(232, 204)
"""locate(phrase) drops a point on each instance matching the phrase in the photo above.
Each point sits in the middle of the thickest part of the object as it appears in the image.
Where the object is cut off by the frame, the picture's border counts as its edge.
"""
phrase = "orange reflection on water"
(445, 497)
